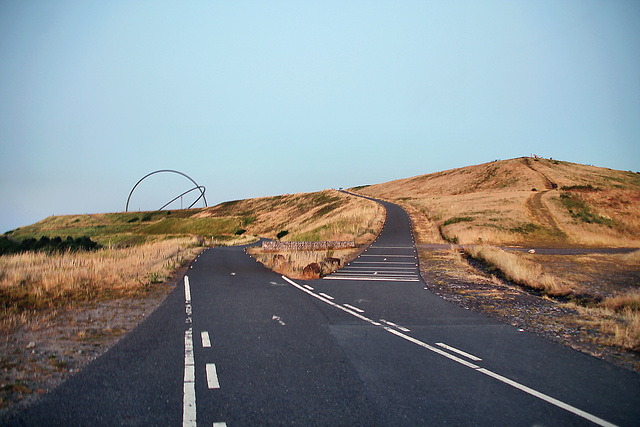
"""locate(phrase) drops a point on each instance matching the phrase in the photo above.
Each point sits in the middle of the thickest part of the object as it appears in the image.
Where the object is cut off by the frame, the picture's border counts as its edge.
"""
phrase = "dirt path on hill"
(541, 212)
(548, 184)
(536, 205)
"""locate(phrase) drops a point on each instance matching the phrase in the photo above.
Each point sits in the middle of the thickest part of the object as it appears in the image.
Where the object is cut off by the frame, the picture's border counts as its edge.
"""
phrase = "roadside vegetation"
(517, 269)
(612, 308)
(33, 283)
(304, 265)
(325, 216)
(45, 244)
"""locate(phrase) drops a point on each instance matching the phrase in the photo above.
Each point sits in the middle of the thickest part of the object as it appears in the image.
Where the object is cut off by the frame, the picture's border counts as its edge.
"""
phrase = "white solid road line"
(390, 247)
(596, 420)
(390, 267)
(212, 376)
(325, 295)
(392, 256)
(382, 262)
(189, 374)
(505, 380)
(206, 342)
(460, 352)
(189, 387)
(371, 278)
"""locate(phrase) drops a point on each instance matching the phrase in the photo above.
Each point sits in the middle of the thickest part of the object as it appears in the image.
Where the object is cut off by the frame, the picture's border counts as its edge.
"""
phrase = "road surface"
(236, 344)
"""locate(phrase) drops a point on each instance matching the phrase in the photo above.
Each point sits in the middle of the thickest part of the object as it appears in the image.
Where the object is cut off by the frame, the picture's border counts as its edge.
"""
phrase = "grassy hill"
(524, 201)
(325, 215)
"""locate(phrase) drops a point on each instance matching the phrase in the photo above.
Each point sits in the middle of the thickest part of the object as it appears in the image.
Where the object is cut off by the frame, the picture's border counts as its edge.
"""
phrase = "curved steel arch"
(202, 190)
(197, 187)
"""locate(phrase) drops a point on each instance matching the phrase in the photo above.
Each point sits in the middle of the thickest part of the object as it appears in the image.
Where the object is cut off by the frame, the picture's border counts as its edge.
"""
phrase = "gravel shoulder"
(450, 276)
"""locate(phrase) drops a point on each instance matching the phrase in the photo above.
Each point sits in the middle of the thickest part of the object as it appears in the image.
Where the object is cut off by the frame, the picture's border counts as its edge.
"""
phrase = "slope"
(524, 201)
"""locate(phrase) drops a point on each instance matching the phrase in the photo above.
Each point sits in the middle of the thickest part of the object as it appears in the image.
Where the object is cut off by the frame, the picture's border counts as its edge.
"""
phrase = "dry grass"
(621, 318)
(619, 327)
(520, 270)
(234, 241)
(341, 217)
(616, 315)
(326, 215)
(292, 264)
(515, 202)
(32, 282)
(625, 328)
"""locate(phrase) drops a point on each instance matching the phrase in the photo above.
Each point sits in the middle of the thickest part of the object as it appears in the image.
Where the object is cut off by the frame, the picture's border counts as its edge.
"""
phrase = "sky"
(259, 98)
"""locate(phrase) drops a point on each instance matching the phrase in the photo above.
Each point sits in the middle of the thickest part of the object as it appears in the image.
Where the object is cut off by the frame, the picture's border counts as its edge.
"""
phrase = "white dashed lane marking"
(325, 295)
(359, 310)
(579, 412)
(206, 342)
(212, 376)
(402, 328)
(460, 352)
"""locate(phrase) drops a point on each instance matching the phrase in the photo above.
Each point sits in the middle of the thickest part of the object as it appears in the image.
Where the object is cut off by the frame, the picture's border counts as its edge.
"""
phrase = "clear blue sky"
(262, 98)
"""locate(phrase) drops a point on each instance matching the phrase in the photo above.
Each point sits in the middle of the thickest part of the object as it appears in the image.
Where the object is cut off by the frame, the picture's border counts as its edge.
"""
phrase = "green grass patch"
(579, 209)
(525, 228)
(199, 226)
(457, 219)
(580, 188)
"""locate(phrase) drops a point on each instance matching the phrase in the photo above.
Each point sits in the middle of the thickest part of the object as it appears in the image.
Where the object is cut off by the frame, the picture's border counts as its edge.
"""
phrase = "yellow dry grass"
(520, 270)
(617, 316)
(31, 282)
(292, 263)
(619, 328)
(625, 327)
(326, 215)
(517, 201)
(622, 317)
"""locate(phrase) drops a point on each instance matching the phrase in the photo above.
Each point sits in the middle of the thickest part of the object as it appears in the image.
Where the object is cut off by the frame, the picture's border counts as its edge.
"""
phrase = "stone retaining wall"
(305, 246)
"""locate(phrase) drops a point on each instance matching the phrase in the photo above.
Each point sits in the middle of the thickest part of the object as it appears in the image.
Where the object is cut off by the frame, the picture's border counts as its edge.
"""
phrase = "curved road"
(237, 344)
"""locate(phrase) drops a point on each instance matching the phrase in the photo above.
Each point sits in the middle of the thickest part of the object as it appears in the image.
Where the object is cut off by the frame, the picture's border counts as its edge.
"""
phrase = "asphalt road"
(369, 345)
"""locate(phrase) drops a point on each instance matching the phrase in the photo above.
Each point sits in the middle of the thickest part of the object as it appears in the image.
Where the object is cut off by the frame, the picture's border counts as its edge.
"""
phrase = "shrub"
(45, 244)
(281, 234)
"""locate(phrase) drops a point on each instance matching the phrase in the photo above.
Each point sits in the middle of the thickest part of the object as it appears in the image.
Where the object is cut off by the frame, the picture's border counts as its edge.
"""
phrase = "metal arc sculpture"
(197, 187)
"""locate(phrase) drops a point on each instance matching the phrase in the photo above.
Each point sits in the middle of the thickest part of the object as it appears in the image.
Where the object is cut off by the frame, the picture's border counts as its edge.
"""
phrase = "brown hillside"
(525, 201)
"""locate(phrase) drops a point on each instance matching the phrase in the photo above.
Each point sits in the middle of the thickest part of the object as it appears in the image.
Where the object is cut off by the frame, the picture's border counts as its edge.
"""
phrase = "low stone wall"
(305, 246)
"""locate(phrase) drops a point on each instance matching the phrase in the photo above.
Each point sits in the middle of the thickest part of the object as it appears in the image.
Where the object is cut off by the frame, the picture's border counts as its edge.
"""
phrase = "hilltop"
(523, 201)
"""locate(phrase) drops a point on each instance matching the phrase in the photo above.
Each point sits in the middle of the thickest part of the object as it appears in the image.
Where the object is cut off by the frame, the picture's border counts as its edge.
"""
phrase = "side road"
(538, 250)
